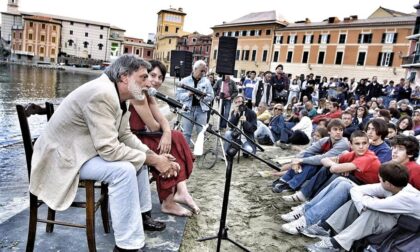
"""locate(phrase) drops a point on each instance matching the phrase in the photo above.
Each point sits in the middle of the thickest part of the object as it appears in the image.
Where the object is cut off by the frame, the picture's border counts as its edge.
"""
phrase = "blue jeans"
(328, 201)
(263, 130)
(312, 186)
(197, 115)
(225, 113)
(248, 146)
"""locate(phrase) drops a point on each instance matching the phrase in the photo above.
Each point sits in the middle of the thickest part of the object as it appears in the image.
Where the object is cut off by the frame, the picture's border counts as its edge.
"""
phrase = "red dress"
(179, 149)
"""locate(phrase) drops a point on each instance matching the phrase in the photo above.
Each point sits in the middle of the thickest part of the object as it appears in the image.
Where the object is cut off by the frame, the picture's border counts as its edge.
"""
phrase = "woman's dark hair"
(394, 113)
(160, 65)
(365, 113)
(385, 114)
(410, 123)
(394, 173)
(380, 126)
(410, 143)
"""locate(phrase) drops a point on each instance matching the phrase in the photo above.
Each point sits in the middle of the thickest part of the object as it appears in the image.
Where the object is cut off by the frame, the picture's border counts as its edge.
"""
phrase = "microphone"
(193, 90)
(171, 101)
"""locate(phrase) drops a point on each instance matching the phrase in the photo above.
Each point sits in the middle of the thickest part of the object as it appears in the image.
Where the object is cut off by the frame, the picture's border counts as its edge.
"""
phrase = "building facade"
(196, 43)
(138, 47)
(37, 41)
(352, 47)
(170, 27)
(255, 33)
(411, 62)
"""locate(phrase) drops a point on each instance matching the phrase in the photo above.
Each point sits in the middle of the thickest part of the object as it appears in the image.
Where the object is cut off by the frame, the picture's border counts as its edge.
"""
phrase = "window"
(166, 28)
(148, 53)
(365, 38)
(86, 34)
(389, 38)
(176, 29)
(43, 26)
(276, 56)
(338, 58)
(41, 50)
(71, 32)
(246, 53)
(30, 36)
(125, 50)
(102, 27)
(137, 51)
(361, 59)
(52, 51)
(264, 57)
(342, 39)
(254, 55)
(229, 34)
(87, 25)
(169, 41)
(215, 54)
(289, 56)
(252, 33)
(100, 46)
(385, 59)
(267, 32)
(52, 39)
(237, 34)
(291, 39)
(238, 54)
(29, 48)
(71, 42)
(244, 33)
(31, 24)
(216, 35)
(42, 38)
(321, 56)
(101, 36)
(307, 39)
(41, 58)
(85, 44)
(278, 40)
(324, 39)
(305, 57)
(54, 28)
(71, 23)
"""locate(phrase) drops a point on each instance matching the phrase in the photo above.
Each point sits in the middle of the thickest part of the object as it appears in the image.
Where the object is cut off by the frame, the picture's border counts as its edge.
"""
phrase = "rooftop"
(255, 18)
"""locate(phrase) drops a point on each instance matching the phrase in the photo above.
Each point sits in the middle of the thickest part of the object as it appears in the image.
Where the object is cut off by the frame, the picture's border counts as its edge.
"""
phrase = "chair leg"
(104, 207)
(51, 216)
(33, 216)
(90, 215)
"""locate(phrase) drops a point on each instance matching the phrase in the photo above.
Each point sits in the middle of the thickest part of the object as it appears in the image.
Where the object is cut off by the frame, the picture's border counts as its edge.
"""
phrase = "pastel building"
(138, 47)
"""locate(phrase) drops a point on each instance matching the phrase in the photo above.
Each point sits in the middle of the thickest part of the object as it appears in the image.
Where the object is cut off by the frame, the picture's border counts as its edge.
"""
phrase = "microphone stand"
(231, 152)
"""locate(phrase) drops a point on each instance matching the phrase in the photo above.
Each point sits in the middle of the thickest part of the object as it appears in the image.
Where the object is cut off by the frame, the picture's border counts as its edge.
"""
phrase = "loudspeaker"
(181, 63)
(226, 55)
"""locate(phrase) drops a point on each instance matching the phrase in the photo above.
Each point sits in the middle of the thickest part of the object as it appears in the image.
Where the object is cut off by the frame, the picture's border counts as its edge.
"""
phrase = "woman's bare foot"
(171, 207)
(187, 200)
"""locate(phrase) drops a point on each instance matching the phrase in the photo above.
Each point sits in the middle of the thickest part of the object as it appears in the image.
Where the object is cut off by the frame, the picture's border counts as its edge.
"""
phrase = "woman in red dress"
(153, 129)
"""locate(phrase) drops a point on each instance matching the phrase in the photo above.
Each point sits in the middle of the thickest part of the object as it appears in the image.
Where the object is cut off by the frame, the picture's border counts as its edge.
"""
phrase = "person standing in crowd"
(225, 91)
(249, 88)
(198, 106)
(280, 83)
(146, 121)
(262, 91)
(294, 89)
(89, 138)
(374, 89)
(246, 119)
(404, 92)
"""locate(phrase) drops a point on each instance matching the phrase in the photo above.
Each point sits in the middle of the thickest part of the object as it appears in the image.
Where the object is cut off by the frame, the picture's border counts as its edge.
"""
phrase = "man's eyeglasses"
(278, 109)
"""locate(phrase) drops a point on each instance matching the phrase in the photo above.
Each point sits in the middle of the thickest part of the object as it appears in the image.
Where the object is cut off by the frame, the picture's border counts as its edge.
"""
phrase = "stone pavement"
(14, 231)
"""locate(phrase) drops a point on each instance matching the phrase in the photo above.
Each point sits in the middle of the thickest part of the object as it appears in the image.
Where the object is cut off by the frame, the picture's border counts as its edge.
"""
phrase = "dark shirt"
(195, 101)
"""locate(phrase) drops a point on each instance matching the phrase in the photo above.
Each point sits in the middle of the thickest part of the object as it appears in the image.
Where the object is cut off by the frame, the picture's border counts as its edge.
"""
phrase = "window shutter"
(328, 38)
(378, 63)
(319, 38)
(391, 58)
(383, 38)
(288, 39)
(370, 38)
(395, 38)
(304, 38)
(312, 39)
(359, 39)
(274, 40)
(281, 39)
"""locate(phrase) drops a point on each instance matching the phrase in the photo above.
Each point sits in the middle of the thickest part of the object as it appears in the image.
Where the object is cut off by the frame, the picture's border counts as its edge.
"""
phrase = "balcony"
(411, 61)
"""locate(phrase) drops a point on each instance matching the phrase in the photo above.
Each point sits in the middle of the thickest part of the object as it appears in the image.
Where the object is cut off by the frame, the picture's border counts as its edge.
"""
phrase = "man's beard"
(135, 90)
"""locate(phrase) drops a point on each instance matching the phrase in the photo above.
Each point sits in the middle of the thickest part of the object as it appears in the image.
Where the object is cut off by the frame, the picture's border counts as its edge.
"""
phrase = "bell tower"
(12, 5)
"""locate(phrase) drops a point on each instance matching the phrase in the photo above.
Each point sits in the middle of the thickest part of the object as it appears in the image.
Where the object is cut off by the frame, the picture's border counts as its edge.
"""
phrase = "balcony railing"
(412, 59)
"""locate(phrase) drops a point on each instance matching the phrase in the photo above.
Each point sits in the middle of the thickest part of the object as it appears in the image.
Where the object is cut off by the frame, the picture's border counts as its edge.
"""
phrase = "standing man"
(226, 91)
(249, 88)
(262, 91)
(198, 106)
(89, 138)
(280, 83)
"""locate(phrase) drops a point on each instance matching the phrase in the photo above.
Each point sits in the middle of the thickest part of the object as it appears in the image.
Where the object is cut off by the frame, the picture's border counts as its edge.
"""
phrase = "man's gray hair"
(199, 63)
(125, 65)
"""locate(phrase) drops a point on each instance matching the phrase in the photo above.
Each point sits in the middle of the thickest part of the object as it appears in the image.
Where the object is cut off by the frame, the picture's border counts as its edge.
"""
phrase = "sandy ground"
(253, 213)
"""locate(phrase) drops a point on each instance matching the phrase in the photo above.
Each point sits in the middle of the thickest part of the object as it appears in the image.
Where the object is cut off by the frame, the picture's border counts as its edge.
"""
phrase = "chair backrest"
(23, 113)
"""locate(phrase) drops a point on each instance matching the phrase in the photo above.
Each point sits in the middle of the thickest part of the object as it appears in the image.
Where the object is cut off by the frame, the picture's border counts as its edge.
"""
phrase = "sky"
(139, 18)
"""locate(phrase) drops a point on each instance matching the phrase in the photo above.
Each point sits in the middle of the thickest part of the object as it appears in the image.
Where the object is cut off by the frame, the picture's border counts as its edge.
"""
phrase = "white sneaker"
(323, 245)
(296, 197)
(298, 207)
(292, 216)
(295, 227)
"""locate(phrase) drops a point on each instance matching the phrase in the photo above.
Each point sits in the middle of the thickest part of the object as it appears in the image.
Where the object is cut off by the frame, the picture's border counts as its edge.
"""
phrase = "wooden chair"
(91, 206)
